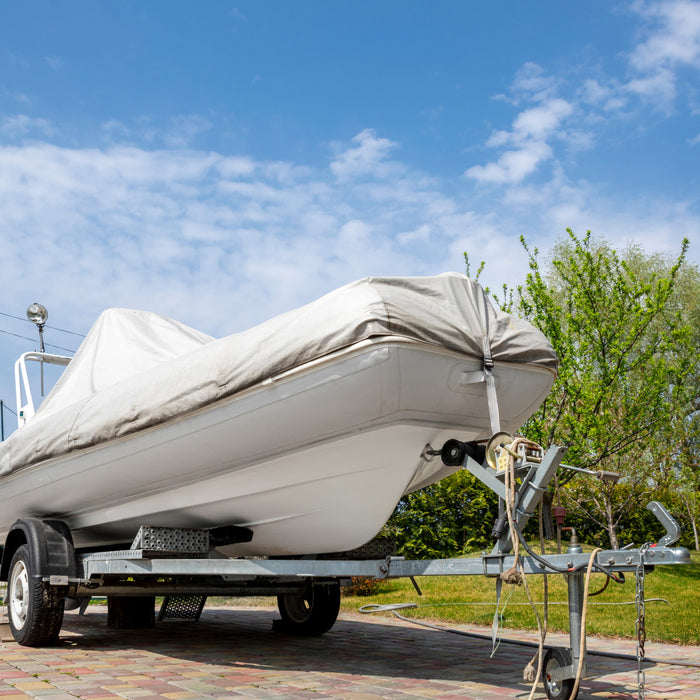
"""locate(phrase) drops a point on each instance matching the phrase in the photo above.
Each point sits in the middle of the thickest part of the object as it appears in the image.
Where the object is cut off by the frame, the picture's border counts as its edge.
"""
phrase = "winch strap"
(486, 375)
(494, 414)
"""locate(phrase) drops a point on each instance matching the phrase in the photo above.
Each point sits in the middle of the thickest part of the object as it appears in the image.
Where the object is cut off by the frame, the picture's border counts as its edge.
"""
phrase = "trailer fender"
(50, 546)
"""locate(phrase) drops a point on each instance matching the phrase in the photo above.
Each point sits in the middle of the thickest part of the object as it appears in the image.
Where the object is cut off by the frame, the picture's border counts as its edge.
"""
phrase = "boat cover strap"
(491, 388)
(486, 375)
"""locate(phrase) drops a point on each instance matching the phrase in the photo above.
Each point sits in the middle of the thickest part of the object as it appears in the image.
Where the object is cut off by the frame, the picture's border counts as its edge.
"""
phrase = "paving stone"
(233, 653)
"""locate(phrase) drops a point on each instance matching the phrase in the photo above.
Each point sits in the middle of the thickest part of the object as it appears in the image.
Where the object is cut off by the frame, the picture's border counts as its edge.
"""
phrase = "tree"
(446, 519)
(686, 475)
(627, 355)
(626, 328)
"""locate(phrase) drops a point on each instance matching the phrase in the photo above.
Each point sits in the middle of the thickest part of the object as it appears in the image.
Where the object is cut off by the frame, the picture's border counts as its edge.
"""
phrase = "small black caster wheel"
(556, 658)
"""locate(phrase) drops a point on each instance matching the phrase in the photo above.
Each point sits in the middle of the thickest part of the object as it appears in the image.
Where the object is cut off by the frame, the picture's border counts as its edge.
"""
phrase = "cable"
(53, 328)
(7, 408)
(561, 570)
(398, 606)
(516, 642)
(24, 337)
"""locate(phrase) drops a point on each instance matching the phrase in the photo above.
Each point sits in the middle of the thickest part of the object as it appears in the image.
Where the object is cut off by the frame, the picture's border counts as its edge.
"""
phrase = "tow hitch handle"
(673, 531)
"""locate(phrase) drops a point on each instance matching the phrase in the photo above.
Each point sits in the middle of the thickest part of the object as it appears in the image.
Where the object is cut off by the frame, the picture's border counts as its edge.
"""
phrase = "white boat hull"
(312, 461)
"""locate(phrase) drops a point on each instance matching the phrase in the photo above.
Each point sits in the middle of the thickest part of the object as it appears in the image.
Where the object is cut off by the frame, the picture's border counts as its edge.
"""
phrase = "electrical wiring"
(24, 337)
(53, 328)
(7, 408)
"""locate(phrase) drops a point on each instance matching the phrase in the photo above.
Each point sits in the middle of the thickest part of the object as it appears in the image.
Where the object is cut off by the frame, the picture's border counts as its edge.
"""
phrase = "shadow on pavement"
(234, 637)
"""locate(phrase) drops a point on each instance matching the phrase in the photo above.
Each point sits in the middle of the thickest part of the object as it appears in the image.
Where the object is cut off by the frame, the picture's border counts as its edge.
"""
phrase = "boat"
(306, 430)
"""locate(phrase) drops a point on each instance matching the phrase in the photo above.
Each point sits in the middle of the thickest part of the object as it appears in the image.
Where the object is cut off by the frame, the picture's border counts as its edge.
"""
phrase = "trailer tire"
(557, 657)
(34, 608)
(311, 614)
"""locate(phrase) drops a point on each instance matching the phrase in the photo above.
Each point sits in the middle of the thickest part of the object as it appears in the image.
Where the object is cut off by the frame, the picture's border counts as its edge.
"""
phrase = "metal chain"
(640, 625)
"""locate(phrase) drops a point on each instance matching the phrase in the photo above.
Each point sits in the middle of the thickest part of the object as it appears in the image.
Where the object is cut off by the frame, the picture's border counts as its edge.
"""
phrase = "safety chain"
(640, 625)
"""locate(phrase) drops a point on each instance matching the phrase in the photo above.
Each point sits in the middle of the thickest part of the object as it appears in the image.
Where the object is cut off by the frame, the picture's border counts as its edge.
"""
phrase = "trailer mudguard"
(50, 545)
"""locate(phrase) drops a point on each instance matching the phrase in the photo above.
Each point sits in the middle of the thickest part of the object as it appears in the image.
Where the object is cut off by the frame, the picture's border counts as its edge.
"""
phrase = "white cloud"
(532, 83)
(593, 92)
(367, 157)
(181, 131)
(115, 130)
(659, 87)
(19, 97)
(126, 226)
(672, 41)
(422, 233)
(674, 38)
(188, 233)
(694, 141)
(184, 129)
(513, 166)
(21, 125)
(547, 120)
(528, 138)
(539, 122)
(608, 96)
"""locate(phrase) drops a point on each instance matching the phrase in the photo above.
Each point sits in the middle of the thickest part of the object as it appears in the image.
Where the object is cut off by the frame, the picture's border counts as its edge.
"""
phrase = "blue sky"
(222, 162)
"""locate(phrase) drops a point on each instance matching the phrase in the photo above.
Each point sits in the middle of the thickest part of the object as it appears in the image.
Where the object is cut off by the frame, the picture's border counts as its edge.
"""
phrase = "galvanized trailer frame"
(181, 562)
(285, 576)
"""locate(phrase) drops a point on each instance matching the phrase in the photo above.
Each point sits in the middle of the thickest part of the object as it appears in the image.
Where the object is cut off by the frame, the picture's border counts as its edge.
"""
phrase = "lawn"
(471, 599)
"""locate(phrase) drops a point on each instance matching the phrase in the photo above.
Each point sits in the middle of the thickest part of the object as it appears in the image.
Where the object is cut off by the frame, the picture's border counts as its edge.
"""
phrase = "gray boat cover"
(137, 369)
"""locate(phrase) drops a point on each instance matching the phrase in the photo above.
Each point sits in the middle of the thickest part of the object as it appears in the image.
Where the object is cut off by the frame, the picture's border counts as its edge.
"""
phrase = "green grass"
(460, 599)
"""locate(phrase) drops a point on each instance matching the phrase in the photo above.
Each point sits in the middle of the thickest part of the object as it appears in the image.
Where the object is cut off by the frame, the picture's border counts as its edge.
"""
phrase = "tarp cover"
(136, 369)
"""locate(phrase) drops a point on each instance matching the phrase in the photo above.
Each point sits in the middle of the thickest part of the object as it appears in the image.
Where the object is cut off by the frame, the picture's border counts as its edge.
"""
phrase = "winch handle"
(673, 530)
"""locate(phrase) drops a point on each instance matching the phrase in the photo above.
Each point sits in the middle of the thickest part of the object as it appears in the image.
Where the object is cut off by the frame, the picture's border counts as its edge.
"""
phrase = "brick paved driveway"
(234, 653)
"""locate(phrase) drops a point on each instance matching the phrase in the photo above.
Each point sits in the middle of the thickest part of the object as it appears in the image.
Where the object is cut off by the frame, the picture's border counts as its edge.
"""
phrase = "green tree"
(686, 475)
(451, 517)
(627, 358)
(627, 331)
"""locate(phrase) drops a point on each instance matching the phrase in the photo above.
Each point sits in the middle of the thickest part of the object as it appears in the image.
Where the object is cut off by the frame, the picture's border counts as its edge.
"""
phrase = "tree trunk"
(612, 533)
(547, 523)
(694, 524)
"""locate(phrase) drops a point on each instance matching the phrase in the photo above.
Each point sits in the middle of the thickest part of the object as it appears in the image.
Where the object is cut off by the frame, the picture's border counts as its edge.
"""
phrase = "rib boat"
(306, 429)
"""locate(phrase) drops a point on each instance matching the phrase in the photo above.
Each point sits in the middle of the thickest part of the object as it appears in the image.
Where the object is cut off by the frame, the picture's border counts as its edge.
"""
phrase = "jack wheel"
(556, 658)
(311, 614)
(34, 608)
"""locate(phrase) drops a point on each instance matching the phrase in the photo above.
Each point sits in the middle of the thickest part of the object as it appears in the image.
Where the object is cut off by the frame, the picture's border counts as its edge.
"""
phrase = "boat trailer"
(46, 574)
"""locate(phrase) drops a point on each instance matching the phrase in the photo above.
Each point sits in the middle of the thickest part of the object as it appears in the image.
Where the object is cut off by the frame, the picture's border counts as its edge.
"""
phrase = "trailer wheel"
(555, 658)
(311, 614)
(34, 608)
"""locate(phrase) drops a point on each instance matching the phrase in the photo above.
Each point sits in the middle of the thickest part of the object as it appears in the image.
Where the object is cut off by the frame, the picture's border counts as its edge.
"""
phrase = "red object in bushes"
(559, 513)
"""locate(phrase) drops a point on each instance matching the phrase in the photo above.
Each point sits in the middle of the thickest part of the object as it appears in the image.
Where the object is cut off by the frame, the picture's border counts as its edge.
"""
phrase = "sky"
(223, 162)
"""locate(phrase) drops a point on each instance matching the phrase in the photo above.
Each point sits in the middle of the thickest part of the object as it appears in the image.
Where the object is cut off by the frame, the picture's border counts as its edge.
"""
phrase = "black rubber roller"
(454, 452)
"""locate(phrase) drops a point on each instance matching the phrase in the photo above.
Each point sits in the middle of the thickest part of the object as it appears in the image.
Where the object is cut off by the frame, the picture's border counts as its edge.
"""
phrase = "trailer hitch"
(673, 530)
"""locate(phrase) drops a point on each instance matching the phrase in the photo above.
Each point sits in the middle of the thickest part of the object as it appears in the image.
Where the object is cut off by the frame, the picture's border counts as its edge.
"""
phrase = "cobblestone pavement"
(233, 652)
